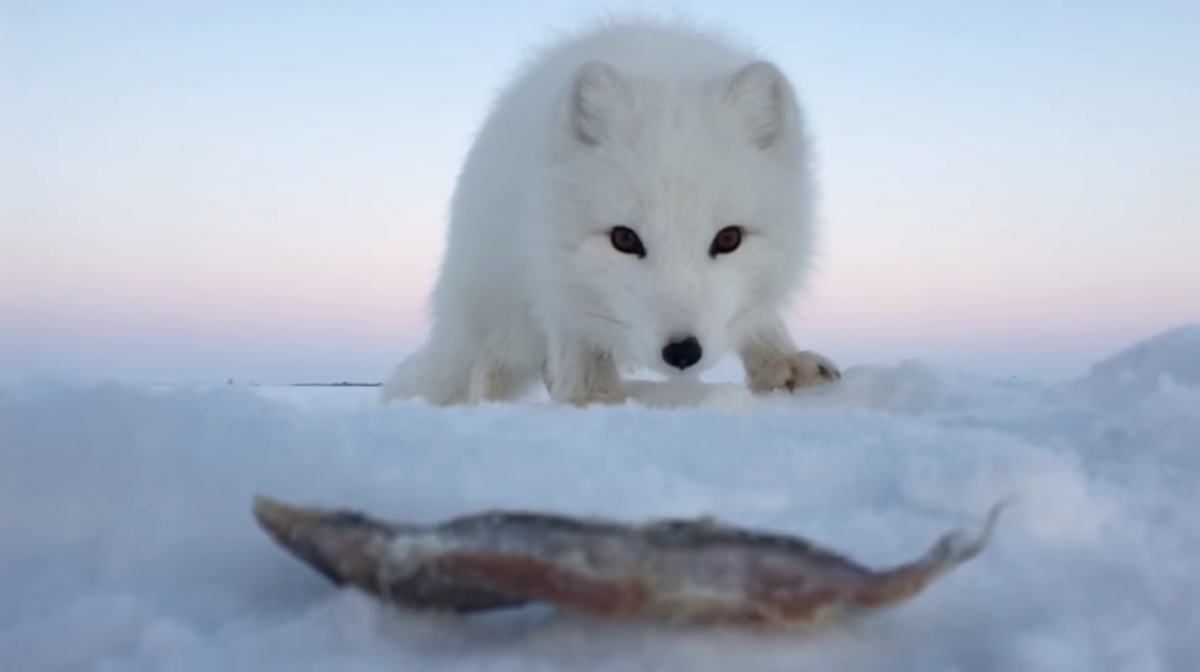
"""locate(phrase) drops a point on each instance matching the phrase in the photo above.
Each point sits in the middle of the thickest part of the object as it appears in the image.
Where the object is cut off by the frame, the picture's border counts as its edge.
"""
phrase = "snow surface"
(126, 541)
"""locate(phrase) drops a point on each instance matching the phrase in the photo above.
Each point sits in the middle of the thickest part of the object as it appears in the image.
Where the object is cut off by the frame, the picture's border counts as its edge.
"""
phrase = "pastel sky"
(257, 189)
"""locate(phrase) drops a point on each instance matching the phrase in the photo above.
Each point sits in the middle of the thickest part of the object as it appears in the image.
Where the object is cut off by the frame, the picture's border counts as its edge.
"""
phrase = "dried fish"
(684, 571)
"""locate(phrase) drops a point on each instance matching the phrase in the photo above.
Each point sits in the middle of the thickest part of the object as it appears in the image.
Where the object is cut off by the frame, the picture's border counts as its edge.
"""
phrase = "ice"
(126, 540)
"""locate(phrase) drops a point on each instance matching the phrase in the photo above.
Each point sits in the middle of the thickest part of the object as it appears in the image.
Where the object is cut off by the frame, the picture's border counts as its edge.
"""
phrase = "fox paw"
(792, 371)
(601, 397)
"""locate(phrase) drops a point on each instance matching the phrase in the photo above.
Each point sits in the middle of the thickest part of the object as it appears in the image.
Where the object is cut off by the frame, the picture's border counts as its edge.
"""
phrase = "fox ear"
(596, 97)
(762, 93)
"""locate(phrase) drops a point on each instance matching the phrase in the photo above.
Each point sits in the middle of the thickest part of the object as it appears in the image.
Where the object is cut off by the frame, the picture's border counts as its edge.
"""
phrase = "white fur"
(673, 131)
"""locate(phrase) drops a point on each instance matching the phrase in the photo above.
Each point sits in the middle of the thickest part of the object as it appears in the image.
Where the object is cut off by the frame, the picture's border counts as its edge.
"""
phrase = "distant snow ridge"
(1168, 360)
(1174, 353)
(1146, 397)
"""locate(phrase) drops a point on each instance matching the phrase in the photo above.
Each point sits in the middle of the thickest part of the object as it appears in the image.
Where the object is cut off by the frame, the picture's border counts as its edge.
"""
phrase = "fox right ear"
(764, 96)
(596, 97)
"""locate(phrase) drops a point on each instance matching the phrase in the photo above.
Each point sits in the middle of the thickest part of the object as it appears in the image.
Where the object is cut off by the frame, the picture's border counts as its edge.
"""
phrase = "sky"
(257, 190)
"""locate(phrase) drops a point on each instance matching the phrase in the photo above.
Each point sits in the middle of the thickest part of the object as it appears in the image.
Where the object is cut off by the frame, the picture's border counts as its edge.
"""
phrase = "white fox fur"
(670, 131)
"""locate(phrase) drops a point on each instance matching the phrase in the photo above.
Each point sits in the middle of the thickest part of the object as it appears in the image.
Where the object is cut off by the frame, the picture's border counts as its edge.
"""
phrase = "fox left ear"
(597, 97)
(763, 94)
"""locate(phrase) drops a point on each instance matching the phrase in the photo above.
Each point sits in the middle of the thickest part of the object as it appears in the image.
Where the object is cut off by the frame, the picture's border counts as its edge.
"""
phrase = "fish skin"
(697, 571)
(349, 549)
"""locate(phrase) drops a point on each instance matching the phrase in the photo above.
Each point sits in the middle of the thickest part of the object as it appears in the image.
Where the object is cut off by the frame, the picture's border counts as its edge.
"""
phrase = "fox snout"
(682, 352)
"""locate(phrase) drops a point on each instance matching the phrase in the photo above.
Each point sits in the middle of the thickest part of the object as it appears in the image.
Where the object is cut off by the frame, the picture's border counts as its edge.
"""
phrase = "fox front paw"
(792, 371)
(584, 378)
(599, 397)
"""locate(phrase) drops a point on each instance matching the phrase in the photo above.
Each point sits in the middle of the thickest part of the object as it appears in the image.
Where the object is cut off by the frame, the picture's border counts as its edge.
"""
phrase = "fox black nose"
(682, 353)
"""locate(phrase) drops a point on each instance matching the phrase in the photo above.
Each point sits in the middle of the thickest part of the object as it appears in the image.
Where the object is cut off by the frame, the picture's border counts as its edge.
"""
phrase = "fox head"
(682, 211)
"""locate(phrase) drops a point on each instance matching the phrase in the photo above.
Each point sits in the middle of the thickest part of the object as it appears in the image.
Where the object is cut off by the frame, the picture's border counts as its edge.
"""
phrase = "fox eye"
(626, 241)
(727, 240)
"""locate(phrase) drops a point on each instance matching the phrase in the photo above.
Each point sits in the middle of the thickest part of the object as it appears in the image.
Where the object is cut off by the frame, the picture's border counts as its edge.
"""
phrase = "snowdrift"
(126, 541)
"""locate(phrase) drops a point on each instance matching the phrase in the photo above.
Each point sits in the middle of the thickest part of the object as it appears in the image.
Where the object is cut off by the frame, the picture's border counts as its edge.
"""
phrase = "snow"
(126, 541)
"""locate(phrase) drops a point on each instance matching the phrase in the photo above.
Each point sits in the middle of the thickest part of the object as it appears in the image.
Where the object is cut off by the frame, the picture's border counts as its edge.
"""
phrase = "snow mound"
(1169, 359)
(126, 540)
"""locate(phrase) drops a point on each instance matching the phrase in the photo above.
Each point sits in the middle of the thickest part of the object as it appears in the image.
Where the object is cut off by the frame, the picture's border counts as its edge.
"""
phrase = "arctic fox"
(639, 195)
